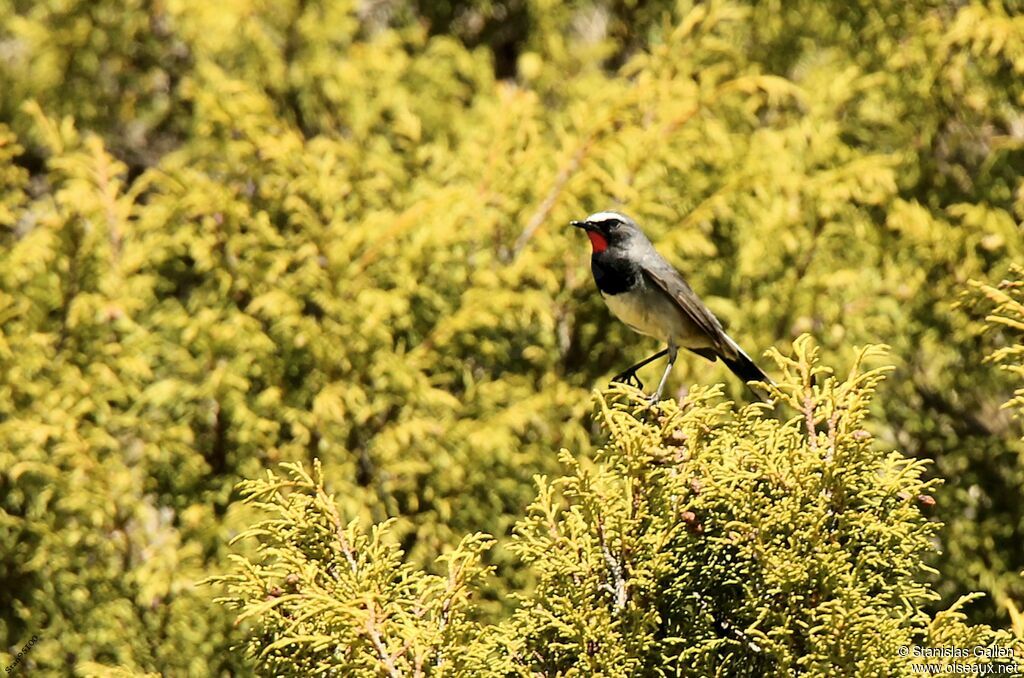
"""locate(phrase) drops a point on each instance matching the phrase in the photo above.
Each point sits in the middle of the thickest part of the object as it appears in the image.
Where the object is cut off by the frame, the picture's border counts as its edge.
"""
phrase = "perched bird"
(648, 294)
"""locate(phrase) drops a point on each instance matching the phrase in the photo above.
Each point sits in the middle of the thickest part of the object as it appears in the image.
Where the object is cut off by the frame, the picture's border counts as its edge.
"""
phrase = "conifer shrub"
(702, 538)
(239, 234)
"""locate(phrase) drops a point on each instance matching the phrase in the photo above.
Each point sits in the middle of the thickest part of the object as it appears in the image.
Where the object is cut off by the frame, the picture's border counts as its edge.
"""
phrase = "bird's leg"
(628, 376)
(672, 352)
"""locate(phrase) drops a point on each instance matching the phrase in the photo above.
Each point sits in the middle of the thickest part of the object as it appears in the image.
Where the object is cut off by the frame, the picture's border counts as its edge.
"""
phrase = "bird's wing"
(668, 280)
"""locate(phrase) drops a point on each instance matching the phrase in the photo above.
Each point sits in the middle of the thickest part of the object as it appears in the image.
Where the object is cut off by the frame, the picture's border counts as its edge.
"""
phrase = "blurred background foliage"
(234, 234)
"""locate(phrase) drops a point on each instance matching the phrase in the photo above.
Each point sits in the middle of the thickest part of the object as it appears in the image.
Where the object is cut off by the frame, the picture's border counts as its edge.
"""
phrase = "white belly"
(659, 317)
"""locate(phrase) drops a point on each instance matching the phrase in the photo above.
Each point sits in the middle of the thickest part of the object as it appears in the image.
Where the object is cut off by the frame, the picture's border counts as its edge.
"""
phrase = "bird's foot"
(629, 378)
(654, 399)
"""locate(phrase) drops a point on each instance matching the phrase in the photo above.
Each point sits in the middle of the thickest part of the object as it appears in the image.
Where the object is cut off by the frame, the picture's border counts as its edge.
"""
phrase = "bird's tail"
(746, 369)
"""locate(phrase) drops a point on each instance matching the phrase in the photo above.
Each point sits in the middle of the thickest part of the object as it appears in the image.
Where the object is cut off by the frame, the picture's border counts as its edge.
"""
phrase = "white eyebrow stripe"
(598, 217)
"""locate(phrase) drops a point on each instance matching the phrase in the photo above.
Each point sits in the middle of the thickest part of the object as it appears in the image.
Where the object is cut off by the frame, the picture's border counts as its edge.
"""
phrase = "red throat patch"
(598, 241)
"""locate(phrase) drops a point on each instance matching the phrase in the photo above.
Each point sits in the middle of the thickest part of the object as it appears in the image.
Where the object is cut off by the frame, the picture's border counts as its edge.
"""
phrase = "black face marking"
(613, 230)
(608, 226)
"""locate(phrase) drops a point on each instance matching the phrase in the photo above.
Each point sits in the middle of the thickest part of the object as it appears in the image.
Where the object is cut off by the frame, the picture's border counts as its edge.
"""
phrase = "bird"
(649, 295)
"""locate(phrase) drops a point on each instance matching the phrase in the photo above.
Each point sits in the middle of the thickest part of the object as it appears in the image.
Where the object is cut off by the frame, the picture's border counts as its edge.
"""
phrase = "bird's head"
(608, 230)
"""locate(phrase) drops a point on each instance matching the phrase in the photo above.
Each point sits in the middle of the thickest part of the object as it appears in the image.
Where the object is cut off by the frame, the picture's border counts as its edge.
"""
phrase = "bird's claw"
(629, 378)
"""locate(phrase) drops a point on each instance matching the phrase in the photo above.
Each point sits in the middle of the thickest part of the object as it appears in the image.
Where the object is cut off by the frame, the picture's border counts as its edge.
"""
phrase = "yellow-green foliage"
(1005, 316)
(234, 234)
(702, 539)
(335, 598)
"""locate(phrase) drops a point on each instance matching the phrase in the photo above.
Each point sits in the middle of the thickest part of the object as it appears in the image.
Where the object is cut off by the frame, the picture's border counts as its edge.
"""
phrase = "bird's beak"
(579, 224)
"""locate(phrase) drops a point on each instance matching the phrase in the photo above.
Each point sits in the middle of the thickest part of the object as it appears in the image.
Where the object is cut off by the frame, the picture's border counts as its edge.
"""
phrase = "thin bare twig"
(548, 203)
(382, 651)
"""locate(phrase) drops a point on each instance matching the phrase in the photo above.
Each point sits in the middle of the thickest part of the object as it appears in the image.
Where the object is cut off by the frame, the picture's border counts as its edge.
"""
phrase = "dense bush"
(702, 539)
(238, 234)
